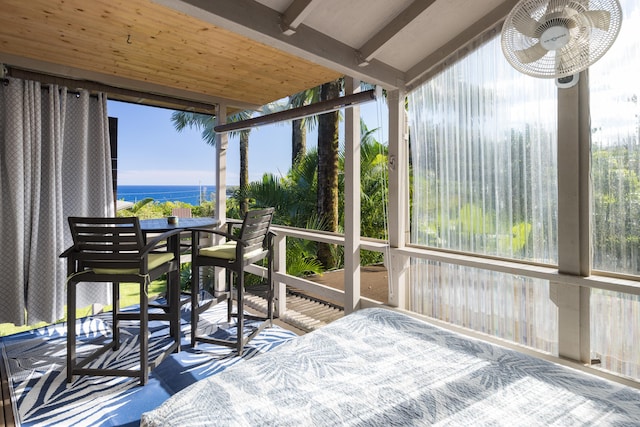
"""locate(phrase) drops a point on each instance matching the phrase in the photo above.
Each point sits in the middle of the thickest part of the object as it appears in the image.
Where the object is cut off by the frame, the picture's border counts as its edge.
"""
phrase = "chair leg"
(229, 290)
(116, 315)
(270, 287)
(195, 296)
(71, 329)
(144, 335)
(240, 314)
(173, 280)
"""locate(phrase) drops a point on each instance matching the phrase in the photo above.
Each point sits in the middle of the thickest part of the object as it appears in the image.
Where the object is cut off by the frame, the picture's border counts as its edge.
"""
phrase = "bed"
(382, 367)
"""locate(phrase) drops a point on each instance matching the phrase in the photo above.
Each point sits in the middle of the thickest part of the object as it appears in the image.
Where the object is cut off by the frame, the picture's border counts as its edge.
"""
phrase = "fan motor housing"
(554, 38)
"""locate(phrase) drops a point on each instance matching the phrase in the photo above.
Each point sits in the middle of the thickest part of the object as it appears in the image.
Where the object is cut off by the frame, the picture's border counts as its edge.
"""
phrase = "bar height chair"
(113, 250)
(252, 244)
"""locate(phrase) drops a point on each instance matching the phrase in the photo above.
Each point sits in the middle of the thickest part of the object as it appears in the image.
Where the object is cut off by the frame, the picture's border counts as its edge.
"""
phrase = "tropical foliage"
(153, 209)
(294, 197)
(328, 165)
(616, 207)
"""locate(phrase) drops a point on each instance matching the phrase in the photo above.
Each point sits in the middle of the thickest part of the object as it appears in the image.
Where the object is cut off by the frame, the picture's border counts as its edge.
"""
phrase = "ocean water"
(190, 194)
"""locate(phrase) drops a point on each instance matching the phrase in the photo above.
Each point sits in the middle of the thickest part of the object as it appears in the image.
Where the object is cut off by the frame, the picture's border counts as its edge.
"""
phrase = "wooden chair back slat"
(255, 228)
(181, 212)
(106, 242)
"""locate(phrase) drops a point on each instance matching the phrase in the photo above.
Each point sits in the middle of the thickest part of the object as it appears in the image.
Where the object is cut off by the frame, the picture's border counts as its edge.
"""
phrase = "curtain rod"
(300, 112)
(116, 93)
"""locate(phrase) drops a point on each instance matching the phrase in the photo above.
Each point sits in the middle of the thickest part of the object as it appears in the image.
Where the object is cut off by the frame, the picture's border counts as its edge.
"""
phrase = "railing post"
(574, 220)
(280, 266)
(222, 141)
(398, 199)
(352, 199)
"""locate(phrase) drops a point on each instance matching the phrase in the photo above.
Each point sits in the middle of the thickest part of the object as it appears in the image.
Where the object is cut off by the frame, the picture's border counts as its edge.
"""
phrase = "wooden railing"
(615, 284)
(282, 279)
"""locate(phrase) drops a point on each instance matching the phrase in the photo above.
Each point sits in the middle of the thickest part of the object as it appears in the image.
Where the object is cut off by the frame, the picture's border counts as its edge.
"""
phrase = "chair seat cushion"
(226, 250)
(154, 261)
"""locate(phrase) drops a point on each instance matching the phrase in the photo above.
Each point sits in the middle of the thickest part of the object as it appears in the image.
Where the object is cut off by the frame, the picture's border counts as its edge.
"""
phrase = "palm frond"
(138, 205)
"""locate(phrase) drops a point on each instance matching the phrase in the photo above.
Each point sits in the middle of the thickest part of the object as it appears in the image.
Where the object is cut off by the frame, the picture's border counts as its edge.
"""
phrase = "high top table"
(160, 225)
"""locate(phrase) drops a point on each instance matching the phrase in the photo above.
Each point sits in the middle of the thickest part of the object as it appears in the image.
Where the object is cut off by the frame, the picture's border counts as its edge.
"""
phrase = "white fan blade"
(600, 19)
(526, 25)
(531, 54)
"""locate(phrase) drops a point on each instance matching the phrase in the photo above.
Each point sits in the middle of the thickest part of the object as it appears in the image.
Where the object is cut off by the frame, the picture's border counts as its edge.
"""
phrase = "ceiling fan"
(559, 38)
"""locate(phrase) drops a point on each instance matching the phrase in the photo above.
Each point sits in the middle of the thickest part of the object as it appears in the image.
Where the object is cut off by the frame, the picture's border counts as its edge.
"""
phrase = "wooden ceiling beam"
(424, 69)
(262, 24)
(295, 14)
(376, 43)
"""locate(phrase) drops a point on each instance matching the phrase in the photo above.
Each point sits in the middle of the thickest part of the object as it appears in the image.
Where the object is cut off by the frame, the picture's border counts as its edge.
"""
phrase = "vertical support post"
(398, 199)
(280, 267)
(222, 142)
(352, 201)
(574, 216)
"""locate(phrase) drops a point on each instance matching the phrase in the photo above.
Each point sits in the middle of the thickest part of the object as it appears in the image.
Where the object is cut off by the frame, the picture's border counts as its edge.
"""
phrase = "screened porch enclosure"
(494, 165)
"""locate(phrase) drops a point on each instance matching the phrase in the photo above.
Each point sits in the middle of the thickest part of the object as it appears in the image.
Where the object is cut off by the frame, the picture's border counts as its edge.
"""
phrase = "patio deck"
(6, 410)
(36, 372)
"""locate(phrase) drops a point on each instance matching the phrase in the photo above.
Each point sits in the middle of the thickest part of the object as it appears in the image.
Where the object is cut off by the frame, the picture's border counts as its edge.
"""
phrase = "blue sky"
(152, 152)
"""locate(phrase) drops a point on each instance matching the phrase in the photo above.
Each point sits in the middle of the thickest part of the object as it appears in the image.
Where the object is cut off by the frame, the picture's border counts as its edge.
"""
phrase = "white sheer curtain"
(483, 147)
(483, 141)
(54, 162)
(614, 89)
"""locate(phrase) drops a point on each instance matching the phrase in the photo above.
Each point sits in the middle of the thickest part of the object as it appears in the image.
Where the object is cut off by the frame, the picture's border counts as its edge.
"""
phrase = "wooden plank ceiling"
(143, 46)
(241, 53)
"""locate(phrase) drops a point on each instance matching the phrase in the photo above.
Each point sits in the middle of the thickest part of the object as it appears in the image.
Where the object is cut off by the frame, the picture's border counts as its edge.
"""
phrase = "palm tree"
(373, 183)
(294, 197)
(183, 119)
(328, 164)
(299, 127)
(244, 172)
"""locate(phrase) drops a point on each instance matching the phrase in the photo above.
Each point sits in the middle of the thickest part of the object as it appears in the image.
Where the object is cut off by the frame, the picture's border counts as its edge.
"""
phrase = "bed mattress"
(381, 367)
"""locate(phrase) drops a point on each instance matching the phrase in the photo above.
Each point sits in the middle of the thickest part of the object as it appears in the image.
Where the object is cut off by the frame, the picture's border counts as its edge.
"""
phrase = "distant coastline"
(190, 194)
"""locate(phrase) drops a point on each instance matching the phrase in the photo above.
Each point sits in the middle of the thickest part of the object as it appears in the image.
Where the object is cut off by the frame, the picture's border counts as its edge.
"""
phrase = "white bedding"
(381, 367)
